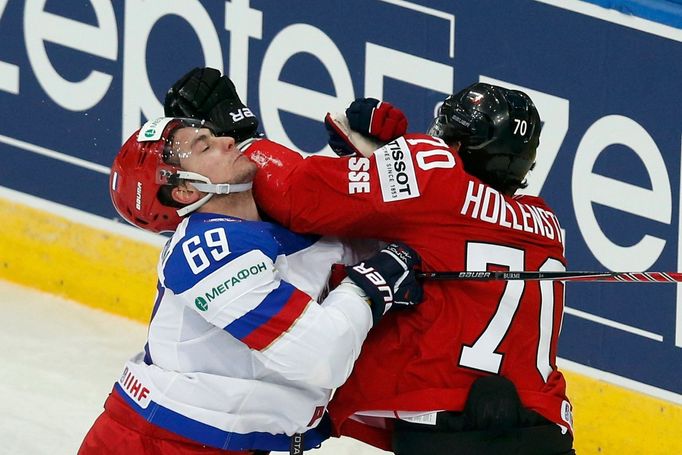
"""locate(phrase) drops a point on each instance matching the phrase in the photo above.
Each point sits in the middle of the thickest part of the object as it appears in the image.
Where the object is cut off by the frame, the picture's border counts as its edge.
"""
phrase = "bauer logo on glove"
(377, 280)
(389, 278)
(205, 94)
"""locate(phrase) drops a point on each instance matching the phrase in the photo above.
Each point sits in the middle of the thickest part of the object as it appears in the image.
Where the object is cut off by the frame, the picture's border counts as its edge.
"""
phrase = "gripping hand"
(204, 94)
(339, 136)
(344, 141)
(388, 278)
(376, 118)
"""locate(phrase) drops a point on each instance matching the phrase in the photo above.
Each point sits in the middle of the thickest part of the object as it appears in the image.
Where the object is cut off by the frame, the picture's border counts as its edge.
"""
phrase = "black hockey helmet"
(498, 130)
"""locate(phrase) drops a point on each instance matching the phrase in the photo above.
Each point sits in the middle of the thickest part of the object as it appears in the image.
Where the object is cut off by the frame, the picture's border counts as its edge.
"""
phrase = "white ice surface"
(58, 362)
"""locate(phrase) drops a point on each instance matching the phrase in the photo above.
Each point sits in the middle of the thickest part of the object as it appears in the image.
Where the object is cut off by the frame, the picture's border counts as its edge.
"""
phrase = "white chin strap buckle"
(222, 188)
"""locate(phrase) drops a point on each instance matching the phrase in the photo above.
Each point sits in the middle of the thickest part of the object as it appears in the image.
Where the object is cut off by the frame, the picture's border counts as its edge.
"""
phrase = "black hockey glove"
(388, 278)
(377, 119)
(204, 94)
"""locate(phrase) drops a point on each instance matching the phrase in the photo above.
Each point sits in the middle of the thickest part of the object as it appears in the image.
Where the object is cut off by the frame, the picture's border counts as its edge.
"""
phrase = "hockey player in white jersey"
(240, 358)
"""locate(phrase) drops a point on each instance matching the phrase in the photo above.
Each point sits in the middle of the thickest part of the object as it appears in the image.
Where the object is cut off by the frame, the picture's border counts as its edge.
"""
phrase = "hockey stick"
(620, 277)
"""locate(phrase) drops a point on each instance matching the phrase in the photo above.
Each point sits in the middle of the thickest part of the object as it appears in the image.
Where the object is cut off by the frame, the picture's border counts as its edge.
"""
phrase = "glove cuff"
(232, 118)
(377, 310)
(380, 297)
(344, 141)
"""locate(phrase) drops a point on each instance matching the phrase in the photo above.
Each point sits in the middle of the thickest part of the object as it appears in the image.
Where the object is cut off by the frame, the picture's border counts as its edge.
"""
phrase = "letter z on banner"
(396, 171)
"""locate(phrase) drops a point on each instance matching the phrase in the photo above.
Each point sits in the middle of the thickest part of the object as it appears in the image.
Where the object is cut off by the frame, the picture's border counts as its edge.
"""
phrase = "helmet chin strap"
(204, 185)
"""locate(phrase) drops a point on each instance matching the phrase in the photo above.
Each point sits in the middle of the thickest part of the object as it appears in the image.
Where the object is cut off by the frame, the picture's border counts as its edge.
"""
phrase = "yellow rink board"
(92, 266)
(115, 272)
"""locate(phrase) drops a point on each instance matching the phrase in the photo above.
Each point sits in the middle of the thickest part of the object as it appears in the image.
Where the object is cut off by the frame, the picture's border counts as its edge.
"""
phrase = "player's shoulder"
(238, 236)
(251, 147)
(548, 221)
(432, 157)
(430, 148)
(420, 136)
(204, 243)
(210, 225)
(535, 201)
(416, 140)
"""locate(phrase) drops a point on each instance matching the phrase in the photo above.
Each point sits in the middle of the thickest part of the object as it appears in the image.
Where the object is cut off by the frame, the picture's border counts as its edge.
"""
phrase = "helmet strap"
(186, 210)
(204, 185)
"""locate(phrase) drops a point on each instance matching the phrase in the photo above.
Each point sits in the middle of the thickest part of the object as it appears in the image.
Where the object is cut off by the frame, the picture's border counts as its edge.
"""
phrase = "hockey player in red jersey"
(474, 370)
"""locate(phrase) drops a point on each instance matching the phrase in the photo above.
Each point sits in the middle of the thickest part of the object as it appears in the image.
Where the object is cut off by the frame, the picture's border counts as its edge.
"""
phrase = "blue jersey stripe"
(266, 310)
(215, 437)
(290, 242)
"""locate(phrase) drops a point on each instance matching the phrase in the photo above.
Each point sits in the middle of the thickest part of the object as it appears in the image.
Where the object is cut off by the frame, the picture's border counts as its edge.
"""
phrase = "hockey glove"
(345, 142)
(338, 137)
(375, 118)
(388, 278)
(204, 94)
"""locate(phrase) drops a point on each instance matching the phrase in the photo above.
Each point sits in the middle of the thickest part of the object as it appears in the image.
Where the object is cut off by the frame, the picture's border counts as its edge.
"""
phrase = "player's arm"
(356, 196)
(290, 332)
(366, 125)
(364, 194)
(311, 195)
(383, 196)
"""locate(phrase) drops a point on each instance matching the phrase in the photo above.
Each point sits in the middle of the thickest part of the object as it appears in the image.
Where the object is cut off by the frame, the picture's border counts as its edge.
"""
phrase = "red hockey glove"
(375, 118)
(388, 278)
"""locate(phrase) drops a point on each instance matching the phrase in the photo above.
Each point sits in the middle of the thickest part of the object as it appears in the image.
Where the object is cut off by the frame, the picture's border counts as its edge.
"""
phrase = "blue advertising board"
(77, 78)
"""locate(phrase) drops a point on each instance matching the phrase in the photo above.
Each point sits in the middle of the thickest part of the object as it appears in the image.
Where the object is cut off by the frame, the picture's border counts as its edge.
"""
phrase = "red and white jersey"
(415, 190)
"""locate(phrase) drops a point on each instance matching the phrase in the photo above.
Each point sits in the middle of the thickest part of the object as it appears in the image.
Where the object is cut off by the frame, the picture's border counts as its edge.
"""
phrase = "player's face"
(217, 158)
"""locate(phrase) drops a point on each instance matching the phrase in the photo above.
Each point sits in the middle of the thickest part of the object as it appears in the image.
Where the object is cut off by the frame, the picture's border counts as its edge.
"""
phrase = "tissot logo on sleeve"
(396, 171)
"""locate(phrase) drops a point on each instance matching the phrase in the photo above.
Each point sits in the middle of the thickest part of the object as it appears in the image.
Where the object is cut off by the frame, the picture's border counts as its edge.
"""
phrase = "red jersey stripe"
(266, 334)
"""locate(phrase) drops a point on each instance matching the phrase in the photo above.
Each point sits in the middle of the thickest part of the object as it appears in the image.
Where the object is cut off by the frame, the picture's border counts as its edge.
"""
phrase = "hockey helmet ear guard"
(454, 124)
(498, 130)
(146, 163)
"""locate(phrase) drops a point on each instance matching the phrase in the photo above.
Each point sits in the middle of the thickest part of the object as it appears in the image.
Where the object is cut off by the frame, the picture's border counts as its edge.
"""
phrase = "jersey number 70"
(482, 355)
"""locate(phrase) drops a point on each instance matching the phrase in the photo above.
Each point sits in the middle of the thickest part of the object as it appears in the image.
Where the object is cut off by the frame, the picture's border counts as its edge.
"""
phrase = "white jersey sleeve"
(233, 274)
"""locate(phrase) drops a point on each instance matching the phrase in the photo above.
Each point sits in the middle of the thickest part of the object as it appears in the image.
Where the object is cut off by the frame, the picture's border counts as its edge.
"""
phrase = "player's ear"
(185, 194)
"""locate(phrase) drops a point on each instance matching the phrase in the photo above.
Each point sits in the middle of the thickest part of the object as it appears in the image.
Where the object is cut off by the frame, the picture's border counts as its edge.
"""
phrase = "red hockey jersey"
(415, 190)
